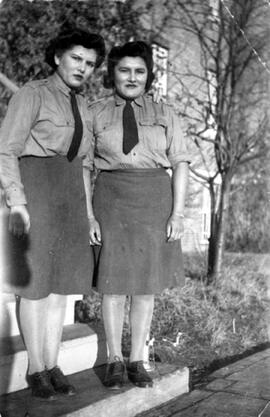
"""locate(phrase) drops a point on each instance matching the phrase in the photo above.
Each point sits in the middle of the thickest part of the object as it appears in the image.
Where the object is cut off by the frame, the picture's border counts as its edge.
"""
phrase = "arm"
(88, 174)
(179, 158)
(14, 132)
(94, 228)
(175, 225)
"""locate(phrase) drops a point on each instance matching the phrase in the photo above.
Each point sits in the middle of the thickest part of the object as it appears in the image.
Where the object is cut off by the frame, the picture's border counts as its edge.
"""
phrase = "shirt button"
(134, 153)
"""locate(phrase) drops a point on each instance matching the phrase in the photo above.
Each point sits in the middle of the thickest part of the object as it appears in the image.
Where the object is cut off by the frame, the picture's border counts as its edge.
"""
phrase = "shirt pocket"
(153, 132)
(56, 116)
(100, 128)
(53, 130)
(108, 136)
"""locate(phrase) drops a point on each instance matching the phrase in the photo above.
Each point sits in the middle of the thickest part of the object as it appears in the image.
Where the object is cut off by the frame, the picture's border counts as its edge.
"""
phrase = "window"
(214, 15)
(160, 56)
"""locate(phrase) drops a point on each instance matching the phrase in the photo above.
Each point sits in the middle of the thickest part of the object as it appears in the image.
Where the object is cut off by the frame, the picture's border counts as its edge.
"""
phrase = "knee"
(144, 299)
(57, 301)
(114, 299)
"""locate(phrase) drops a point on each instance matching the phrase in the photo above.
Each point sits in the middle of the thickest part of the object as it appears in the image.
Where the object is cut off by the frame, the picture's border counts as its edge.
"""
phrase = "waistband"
(140, 172)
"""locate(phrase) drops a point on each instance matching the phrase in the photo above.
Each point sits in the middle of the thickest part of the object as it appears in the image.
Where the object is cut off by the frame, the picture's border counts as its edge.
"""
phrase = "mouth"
(78, 77)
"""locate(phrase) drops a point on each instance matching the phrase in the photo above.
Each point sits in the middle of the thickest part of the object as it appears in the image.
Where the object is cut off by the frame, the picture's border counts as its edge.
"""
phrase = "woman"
(136, 220)
(42, 142)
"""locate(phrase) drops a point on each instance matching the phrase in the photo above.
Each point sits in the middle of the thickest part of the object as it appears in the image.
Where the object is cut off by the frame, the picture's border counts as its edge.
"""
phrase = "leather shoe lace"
(114, 377)
(41, 386)
(138, 375)
(60, 382)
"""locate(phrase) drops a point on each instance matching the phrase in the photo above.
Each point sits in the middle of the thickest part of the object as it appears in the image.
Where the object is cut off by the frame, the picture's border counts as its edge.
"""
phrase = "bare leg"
(141, 313)
(113, 317)
(55, 316)
(32, 313)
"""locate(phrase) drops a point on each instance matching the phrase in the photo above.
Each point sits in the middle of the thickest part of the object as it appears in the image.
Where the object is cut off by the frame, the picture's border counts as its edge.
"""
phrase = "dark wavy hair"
(68, 38)
(131, 49)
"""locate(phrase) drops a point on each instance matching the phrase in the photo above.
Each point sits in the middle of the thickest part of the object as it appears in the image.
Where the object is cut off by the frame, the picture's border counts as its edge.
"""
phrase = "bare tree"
(224, 98)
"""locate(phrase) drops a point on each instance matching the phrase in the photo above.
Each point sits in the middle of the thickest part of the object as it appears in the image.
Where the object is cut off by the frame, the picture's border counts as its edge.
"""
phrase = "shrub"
(215, 321)
(196, 325)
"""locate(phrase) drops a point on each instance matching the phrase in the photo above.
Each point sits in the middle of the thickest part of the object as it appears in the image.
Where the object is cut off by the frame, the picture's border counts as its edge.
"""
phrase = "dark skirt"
(55, 257)
(133, 207)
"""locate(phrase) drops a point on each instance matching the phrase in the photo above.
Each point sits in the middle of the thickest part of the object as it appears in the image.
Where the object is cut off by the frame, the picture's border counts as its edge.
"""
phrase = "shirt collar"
(120, 100)
(57, 81)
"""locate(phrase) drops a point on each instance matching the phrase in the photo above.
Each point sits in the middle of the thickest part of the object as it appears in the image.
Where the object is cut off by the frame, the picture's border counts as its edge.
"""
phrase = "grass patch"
(198, 326)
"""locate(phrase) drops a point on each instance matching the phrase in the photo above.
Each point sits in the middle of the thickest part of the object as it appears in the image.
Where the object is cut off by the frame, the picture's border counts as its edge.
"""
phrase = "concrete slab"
(135, 400)
(266, 411)
(177, 405)
(220, 385)
(82, 347)
(93, 399)
(245, 393)
(225, 404)
(255, 374)
(254, 381)
(243, 364)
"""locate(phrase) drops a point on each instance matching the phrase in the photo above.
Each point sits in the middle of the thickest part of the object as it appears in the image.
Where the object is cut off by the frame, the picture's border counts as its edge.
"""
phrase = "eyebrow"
(127, 66)
(79, 56)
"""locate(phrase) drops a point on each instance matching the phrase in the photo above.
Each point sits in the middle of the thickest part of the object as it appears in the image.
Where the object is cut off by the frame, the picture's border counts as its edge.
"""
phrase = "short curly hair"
(68, 38)
(132, 49)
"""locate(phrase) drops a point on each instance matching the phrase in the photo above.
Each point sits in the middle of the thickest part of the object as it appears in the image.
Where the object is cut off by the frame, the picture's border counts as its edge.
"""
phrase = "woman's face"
(76, 65)
(130, 77)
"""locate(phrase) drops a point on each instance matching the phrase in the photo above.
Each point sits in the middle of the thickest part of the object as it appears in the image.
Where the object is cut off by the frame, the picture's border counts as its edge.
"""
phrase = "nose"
(82, 66)
(132, 76)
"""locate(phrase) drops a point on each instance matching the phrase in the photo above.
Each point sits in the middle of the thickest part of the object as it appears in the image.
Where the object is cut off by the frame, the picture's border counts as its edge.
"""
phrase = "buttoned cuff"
(181, 157)
(15, 196)
(87, 163)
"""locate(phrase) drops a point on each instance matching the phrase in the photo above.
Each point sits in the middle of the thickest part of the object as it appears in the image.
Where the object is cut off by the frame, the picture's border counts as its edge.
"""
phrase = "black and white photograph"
(134, 208)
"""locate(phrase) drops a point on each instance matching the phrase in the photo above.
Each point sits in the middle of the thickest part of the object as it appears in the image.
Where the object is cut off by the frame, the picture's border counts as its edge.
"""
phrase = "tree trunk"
(219, 214)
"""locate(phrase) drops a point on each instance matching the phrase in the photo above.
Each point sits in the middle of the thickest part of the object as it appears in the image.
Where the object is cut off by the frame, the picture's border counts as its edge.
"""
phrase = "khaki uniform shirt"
(39, 122)
(161, 140)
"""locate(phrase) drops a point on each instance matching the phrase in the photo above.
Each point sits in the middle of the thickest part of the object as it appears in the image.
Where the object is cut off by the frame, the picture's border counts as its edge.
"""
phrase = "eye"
(90, 64)
(76, 58)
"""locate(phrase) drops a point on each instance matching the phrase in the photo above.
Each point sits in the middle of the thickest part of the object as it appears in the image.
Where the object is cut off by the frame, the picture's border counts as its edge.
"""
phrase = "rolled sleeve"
(11, 181)
(177, 150)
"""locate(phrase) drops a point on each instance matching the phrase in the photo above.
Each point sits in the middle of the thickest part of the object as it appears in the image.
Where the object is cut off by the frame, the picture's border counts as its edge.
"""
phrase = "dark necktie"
(78, 128)
(130, 130)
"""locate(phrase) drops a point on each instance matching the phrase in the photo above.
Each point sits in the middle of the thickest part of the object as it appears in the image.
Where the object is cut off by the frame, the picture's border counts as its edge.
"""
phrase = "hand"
(19, 220)
(94, 232)
(175, 227)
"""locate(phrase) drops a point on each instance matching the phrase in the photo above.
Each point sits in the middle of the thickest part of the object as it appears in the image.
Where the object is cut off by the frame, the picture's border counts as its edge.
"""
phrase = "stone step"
(82, 347)
(95, 400)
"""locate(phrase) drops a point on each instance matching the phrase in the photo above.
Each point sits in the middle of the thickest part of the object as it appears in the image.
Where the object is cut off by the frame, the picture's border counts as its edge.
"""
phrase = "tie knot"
(74, 93)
